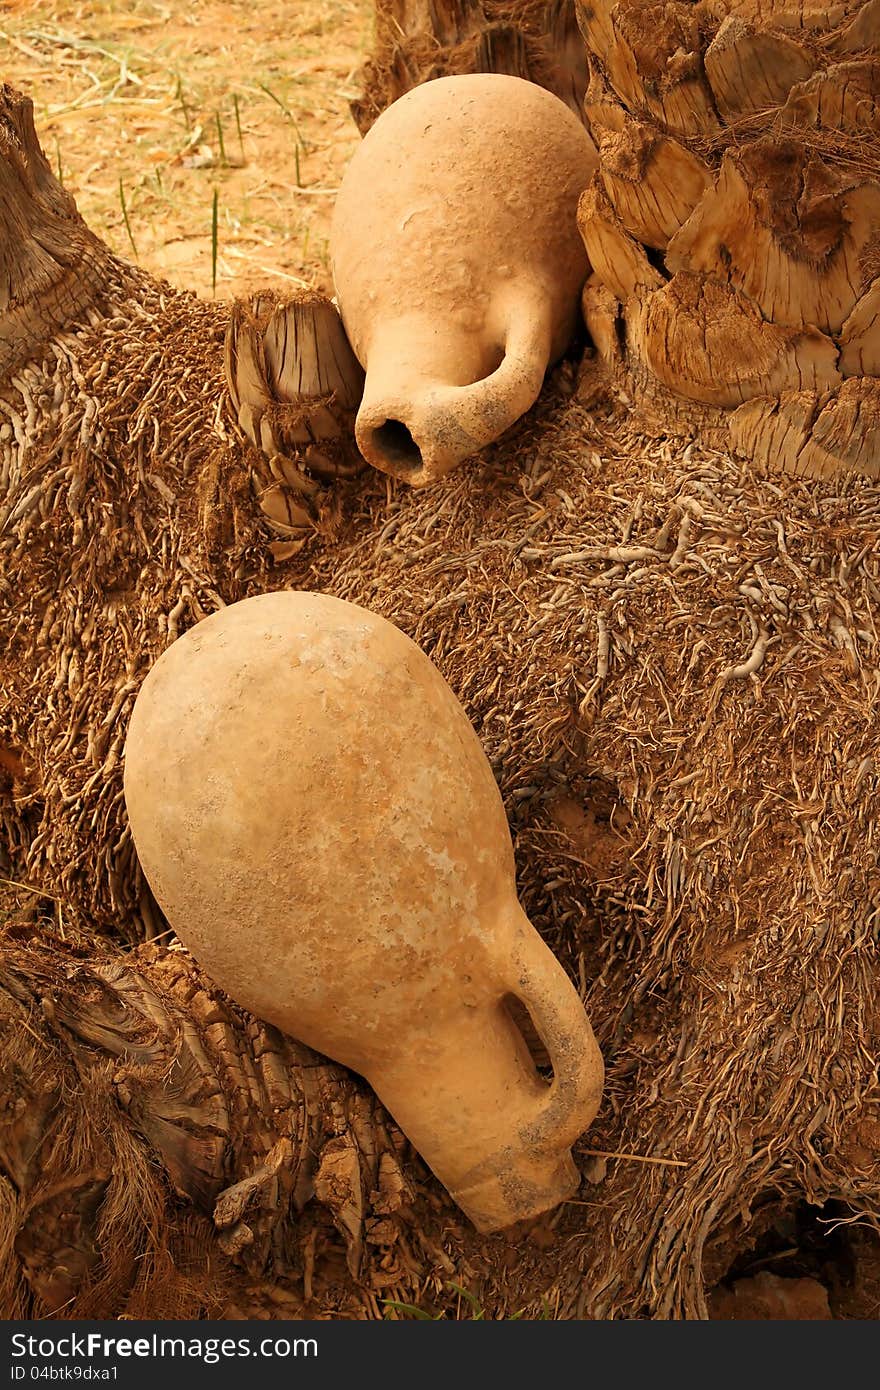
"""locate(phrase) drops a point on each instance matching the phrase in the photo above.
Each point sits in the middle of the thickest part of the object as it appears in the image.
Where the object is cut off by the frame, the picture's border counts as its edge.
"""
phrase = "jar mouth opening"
(393, 441)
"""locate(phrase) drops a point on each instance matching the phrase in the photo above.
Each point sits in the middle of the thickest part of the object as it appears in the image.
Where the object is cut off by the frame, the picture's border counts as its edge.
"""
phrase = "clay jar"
(458, 264)
(316, 818)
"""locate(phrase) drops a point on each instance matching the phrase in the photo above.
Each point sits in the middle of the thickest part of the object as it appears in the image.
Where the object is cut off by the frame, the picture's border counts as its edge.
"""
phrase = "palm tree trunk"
(52, 267)
(161, 1149)
(732, 222)
(672, 664)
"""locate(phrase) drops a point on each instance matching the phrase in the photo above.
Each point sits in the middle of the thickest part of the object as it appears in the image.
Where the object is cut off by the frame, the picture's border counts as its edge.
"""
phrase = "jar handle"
(540, 983)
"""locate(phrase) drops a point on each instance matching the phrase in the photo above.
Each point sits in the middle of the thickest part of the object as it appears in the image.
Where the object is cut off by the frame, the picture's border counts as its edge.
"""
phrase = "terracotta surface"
(319, 823)
(458, 264)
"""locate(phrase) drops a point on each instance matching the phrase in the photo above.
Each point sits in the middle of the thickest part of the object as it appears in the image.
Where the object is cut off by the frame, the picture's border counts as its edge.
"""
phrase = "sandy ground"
(149, 110)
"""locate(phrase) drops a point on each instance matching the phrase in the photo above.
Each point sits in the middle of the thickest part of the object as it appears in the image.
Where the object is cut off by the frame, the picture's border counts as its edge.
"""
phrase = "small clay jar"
(316, 818)
(458, 264)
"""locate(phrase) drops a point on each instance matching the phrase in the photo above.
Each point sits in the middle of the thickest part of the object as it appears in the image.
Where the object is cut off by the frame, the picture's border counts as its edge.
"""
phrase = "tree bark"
(51, 266)
(738, 145)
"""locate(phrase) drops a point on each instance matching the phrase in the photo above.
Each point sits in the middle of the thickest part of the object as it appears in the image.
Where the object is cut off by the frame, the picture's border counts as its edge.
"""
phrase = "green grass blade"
(284, 107)
(125, 219)
(411, 1310)
(238, 125)
(183, 106)
(468, 1298)
(220, 138)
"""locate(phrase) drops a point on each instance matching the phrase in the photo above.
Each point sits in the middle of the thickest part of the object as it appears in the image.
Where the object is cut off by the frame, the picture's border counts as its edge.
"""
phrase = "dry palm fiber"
(672, 664)
(534, 39)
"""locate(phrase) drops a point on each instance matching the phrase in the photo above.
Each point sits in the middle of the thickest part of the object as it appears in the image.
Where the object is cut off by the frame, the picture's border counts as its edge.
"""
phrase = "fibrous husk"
(293, 378)
(860, 336)
(859, 32)
(415, 42)
(812, 433)
(850, 25)
(797, 15)
(295, 385)
(672, 664)
(602, 106)
(715, 74)
(844, 97)
(797, 236)
(708, 342)
(653, 182)
(602, 316)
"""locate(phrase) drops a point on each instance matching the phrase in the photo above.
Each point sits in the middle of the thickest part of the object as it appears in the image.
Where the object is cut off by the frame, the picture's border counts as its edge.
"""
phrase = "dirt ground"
(152, 110)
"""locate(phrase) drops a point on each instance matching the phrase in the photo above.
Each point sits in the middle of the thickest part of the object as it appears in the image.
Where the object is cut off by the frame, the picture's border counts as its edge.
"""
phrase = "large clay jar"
(458, 264)
(318, 821)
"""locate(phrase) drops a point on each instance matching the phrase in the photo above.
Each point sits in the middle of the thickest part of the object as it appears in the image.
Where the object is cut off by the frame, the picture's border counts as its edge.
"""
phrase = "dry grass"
(147, 109)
